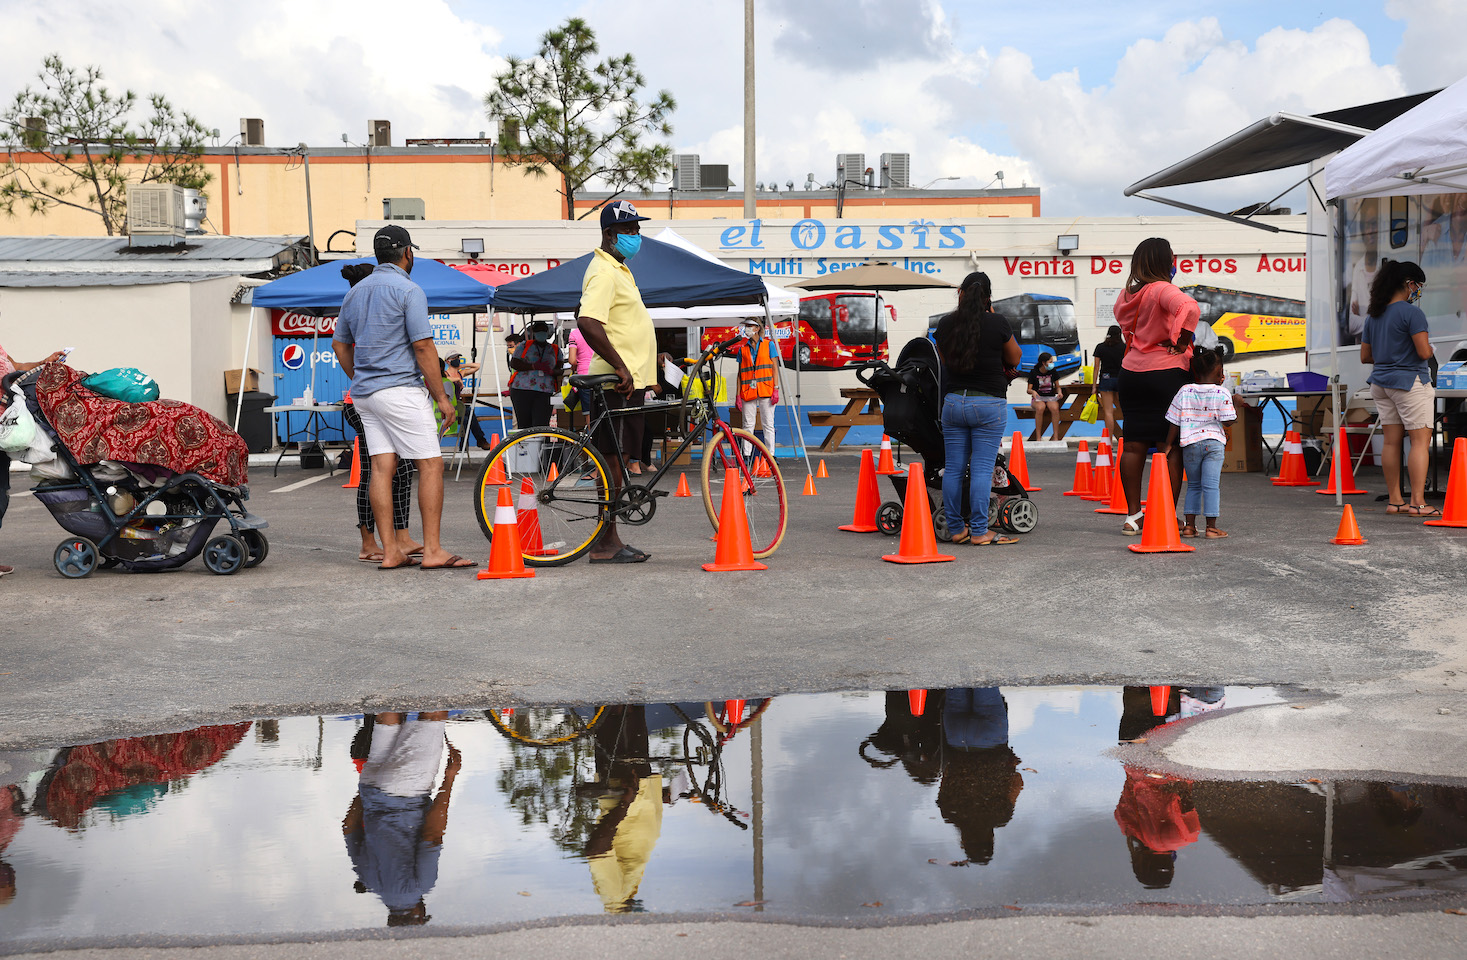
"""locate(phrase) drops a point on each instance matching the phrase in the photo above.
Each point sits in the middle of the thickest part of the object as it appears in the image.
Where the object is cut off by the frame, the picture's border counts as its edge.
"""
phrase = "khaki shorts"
(1415, 409)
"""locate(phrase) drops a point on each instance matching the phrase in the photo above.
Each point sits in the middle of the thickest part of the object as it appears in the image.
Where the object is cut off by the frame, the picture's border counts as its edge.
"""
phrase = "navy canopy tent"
(319, 290)
(666, 275)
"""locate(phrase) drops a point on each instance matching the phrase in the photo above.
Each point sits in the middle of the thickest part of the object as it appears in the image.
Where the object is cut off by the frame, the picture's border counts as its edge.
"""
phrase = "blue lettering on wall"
(782, 267)
(731, 237)
(808, 234)
(891, 238)
(812, 234)
(952, 237)
(849, 238)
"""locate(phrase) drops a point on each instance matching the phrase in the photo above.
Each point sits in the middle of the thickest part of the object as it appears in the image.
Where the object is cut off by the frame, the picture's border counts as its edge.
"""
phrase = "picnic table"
(863, 409)
(1072, 402)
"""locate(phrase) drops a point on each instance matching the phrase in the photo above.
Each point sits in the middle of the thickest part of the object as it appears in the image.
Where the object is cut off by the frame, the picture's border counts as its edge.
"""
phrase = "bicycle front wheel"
(763, 486)
(559, 487)
(545, 726)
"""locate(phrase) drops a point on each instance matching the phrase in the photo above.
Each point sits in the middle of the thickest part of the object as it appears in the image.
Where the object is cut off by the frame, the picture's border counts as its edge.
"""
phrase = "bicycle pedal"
(661, 493)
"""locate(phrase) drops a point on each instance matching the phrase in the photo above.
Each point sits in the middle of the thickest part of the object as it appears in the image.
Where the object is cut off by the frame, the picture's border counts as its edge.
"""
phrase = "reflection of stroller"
(911, 411)
(141, 517)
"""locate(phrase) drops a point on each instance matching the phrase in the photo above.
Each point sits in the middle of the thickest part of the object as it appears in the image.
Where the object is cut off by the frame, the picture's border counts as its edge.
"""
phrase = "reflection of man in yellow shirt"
(631, 812)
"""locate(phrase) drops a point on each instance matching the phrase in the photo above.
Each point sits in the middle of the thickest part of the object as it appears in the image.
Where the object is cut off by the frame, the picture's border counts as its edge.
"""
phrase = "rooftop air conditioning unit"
(896, 170)
(849, 166)
(404, 208)
(509, 132)
(34, 135)
(713, 176)
(379, 133)
(686, 172)
(156, 215)
(252, 131)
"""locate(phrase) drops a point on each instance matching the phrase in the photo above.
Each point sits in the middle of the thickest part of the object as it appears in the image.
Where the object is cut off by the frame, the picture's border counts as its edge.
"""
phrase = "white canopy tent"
(1424, 150)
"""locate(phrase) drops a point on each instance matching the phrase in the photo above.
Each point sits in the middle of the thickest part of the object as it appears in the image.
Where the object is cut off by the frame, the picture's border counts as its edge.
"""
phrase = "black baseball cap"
(392, 237)
(621, 211)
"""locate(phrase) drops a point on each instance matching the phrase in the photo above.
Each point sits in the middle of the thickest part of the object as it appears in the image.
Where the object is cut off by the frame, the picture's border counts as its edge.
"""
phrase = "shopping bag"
(127, 384)
(17, 426)
(1091, 411)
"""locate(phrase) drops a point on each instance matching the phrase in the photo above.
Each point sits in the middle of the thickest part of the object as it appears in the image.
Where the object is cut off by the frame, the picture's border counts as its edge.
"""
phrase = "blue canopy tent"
(318, 292)
(666, 275)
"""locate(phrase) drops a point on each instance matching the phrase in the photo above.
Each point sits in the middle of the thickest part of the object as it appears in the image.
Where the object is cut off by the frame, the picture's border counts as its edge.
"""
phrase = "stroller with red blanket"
(141, 486)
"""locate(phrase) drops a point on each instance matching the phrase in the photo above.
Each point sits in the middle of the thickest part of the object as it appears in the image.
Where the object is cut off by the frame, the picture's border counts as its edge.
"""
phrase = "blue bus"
(1042, 324)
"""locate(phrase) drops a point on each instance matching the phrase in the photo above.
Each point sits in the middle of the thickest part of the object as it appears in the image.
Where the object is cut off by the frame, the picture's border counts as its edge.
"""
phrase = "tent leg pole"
(243, 370)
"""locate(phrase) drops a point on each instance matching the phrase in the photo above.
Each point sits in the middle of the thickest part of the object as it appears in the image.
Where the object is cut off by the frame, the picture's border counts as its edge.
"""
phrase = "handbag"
(1091, 411)
(127, 384)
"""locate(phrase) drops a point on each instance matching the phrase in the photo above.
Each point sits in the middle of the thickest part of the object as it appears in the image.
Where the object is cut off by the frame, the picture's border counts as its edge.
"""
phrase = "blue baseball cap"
(620, 211)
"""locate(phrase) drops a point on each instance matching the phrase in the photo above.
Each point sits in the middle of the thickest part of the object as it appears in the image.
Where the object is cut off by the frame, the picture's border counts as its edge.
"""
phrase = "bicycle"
(569, 481)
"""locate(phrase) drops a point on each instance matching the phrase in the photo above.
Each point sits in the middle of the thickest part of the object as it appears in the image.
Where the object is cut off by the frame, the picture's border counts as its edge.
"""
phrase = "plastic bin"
(254, 422)
(1307, 381)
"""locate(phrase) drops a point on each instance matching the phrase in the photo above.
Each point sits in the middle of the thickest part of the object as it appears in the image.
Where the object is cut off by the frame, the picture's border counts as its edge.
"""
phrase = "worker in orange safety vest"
(758, 382)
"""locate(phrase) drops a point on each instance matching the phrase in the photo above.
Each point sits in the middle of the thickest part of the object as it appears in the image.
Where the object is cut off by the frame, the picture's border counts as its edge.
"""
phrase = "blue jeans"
(971, 430)
(1203, 460)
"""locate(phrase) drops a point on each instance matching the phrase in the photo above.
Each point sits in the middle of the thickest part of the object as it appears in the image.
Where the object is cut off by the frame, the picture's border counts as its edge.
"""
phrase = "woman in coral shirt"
(1157, 321)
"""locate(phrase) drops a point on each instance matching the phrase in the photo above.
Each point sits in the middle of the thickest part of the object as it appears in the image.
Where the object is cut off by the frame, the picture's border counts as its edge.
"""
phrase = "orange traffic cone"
(1348, 535)
(496, 469)
(527, 517)
(1159, 527)
(734, 552)
(553, 474)
(820, 473)
(863, 518)
(1291, 464)
(505, 560)
(1159, 697)
(1105, 433)
(917, 702)
(733, 712)
(761, 466)
(809, 490)
(1083, 472)
(356, 465)
(1117, 503)
(1347, 488)
(1454, 511)
(919, 542)
(1100, 491)
(1018, 465)
(682, 486)
(885, 466)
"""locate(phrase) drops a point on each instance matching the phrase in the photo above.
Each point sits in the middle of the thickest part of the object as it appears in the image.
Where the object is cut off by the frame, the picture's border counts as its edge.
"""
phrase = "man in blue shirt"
(385, 344)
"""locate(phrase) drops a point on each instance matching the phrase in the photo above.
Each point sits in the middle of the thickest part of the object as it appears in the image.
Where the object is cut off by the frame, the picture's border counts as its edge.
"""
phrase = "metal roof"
(77, 278)
(116, 250)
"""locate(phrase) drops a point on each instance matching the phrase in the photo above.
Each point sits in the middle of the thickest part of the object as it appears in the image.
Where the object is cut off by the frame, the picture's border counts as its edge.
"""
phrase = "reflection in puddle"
(835, 805)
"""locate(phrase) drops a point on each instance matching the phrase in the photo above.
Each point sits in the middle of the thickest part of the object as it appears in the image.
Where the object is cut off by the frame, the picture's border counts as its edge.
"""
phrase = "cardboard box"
(1244, 450)
(232, 378)
(1320, 413)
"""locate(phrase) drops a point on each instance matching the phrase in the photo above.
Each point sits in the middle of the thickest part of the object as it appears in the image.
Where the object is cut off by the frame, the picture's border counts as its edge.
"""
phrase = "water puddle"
(835, 806)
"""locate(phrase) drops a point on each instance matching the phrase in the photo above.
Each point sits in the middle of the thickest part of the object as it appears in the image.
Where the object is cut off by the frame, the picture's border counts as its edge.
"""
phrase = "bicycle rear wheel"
(545, 726)
(764, 494)
(568, 507)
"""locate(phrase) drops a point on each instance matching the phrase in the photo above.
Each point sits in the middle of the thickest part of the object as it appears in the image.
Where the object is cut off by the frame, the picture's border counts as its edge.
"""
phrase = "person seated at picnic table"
(1044, 395)
(456, 370)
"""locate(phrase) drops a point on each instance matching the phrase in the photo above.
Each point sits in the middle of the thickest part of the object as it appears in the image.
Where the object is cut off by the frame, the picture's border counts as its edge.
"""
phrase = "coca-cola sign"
(284, 323)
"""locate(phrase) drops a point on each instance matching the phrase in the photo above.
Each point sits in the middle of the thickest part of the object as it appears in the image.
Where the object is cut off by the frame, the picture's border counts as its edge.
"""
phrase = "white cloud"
(1432, 53)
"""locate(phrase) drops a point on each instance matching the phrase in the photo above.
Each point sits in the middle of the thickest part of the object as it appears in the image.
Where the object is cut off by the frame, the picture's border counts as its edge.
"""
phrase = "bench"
(1072, 403)
(863, 409)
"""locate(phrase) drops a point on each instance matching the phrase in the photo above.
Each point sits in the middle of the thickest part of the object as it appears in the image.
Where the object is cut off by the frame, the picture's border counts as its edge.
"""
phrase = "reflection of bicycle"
(545, 726)
(573, 496)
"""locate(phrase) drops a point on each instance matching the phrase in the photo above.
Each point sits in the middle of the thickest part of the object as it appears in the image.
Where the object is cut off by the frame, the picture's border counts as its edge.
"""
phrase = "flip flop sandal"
(1189, 531)
(403, 566)
(997, 541)
(372, 558)
(961, 538)
(626, 554)
(1400, 509)
(1424, 510)
(455, 562)
(1215, 534)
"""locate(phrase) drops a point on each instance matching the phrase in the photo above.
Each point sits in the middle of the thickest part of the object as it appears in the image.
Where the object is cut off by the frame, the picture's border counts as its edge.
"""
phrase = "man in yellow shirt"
(619, 330)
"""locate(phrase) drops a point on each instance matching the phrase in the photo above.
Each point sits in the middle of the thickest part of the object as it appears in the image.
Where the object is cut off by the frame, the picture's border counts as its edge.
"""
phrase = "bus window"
(1057, 323)
(858, 329)
(1026, 330)
(1400, 222)
(816, 313)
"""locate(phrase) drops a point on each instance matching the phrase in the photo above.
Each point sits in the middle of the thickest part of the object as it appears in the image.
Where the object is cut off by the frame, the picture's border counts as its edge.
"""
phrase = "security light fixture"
(1067, 243)
(471, 246)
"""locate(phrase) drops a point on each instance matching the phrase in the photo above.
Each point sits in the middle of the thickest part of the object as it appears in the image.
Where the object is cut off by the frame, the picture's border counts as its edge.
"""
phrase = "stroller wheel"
(939, 524)
(1020, 515)
(76, 558)
(889, 518)
(225, 555)
(257, 545)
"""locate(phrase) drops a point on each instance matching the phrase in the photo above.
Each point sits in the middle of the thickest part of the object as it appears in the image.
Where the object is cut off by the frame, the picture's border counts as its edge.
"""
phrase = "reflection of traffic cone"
(820, 473)
(917, 702)
(809, 490)
(885, 466)
(1347, 487)
(863, 518)
(553, 474)
(682, 486)
(1104, 475)
(505, 560)
(1083, 472)
(1159, 697)
(733, 712)
(1454, 511)
(1348, 535)
(734, 552)
(360, 763)
(1018, 465)
(356, 466)
(919, 542)
(527, 517)
(1292, 472)
(496, 469)
(1159, 527)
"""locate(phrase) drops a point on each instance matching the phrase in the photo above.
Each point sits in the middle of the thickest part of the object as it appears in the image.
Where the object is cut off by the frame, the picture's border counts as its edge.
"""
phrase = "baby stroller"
(911, 411)
(125, 512)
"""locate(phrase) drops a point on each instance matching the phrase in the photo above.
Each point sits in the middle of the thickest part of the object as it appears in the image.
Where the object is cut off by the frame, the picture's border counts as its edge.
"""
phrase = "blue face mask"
(1173, 273)
(627, 244)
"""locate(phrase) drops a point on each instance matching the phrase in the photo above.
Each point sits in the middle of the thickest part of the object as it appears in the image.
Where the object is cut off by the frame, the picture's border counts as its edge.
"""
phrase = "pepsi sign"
(292, 356)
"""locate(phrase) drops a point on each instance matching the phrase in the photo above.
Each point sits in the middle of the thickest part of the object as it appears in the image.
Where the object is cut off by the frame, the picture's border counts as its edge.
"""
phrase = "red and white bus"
(836, 329)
